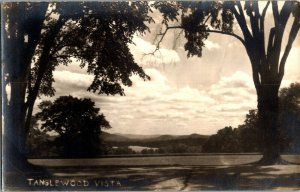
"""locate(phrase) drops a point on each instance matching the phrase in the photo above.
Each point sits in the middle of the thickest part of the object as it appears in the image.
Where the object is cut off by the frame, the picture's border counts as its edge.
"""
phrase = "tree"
(78, 124)
(225, 141)
(248, 136)
(43, 35)
(289, 98)
(199, 19)
(38, 141)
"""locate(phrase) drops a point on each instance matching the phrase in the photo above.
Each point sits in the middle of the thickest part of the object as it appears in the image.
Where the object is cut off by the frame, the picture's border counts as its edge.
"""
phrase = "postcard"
(150, 95)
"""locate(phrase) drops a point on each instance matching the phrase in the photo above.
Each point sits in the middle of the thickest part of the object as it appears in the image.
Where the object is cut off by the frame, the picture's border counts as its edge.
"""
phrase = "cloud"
(142, 48)
(239, 84)
(292, 67)
(73, 66)
(72, 79)
(157, 107)
(235, 93)
(211, 45)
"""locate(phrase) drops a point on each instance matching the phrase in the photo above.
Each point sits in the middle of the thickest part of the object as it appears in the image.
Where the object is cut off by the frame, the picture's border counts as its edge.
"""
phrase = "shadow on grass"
(238, 177)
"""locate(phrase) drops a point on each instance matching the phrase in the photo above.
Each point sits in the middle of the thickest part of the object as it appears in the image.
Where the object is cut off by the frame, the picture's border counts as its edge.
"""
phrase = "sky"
(184, 95)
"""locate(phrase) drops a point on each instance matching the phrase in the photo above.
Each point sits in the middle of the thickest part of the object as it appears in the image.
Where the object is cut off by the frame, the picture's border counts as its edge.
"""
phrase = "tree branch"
(262, 27)
(263, 15)
(262, 20)
(285, 12)
(207, 19)
(177, 38)
(254, 18)
(292, 36)
(256, 79)
(241, 20)
(256, 9)
(199, 30)
(283, 18)
(161, 39)
(230, 34)
(275, 12)
(43, 64)
(271, 40)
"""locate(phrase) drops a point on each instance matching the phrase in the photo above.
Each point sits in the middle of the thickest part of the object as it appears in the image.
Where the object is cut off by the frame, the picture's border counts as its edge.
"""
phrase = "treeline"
(169, 149)
(248, 136)
(162, 141)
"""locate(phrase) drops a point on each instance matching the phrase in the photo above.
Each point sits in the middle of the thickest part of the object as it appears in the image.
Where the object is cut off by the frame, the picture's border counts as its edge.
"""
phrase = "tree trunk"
(268, 112)
(43, 66)
(14, 133)
(15, 70)
(14, 109)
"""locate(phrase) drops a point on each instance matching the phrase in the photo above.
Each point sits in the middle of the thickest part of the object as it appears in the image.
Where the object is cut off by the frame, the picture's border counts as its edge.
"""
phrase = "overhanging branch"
(161, 39)
(199, 30)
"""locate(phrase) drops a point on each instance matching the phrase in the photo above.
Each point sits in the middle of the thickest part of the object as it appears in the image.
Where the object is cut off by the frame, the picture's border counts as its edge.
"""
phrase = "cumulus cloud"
(142, 48)
(157, 107)
(292, 67)
(72, 79)
(211, 45)
(238, 85)
(73, 82)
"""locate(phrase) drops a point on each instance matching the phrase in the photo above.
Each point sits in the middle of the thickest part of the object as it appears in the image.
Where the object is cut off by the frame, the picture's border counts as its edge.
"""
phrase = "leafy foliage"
(107, 29)
(196, 19)
(77, 122)
(39, 142)
(290, 115)
(248, 136)
(225, 141)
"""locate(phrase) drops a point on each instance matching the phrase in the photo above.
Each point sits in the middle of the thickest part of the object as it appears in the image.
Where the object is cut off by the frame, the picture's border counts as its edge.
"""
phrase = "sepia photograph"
(150, 95)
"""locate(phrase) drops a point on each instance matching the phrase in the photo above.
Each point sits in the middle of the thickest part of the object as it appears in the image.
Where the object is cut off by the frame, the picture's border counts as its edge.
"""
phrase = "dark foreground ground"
(213, 172)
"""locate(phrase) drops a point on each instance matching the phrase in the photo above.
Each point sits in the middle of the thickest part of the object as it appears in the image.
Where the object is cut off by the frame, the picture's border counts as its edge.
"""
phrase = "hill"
(136, 136)
(108, 137)
(157, 141)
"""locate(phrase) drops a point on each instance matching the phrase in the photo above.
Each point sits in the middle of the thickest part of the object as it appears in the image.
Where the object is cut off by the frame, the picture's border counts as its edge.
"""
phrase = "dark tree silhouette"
(225, 141)
(38, 141)
(199, 19)
(290, 116)
(78, 124)
(248, 136)
(43, 35)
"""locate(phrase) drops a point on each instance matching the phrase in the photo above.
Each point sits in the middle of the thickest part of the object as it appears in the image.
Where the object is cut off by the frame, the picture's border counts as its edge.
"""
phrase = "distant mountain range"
(153, 140)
